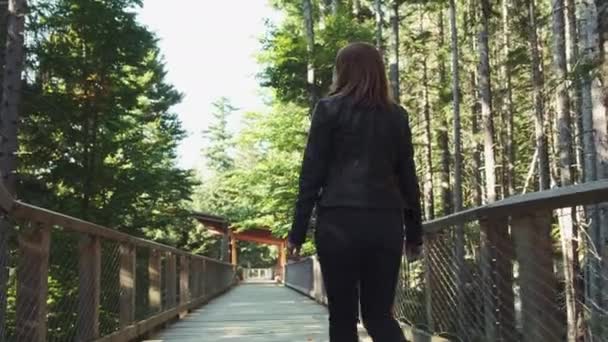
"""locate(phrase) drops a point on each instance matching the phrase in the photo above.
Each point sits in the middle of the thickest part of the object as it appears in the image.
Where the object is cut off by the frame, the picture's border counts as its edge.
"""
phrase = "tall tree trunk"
(9, 121)
(539, 106)
(562, 97)
(572, 55)
(310, 49)
(429, 200)
(485, 90)
(507, 104)
(457, 190)
(568, 232)
(475, 106)
(379, 24)
(335, 7)
(357, 10)
(496, 313)
(4, 225)
(576, 93)
(394, 59)
(596, 156)
(442, 130)
(602, 10)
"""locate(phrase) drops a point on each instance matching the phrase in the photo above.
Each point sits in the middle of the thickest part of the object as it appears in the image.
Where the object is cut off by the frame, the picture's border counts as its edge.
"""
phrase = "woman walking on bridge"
(359, 171)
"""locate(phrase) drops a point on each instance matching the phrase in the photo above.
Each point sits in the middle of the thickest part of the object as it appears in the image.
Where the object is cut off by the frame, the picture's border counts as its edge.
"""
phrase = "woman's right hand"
(413, 251)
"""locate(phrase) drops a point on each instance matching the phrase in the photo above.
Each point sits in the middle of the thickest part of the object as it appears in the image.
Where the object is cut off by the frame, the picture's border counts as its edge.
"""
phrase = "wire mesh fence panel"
(109, 310)
(80, 282)
(10, 316)
(63, 287)
(142, 284)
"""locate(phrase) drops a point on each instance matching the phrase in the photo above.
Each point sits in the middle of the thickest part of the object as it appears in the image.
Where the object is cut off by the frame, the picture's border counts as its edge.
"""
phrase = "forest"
(504, 97)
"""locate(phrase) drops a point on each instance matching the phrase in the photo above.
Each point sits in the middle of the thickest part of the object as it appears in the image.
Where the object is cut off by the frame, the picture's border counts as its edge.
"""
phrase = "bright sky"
(209, 48)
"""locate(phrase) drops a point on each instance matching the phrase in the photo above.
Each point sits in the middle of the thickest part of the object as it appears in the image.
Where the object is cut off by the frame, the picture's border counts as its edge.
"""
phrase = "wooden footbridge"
(123, 288)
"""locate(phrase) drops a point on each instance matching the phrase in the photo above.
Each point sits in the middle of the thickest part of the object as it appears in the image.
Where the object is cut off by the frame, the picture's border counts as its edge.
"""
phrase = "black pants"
(360, 254)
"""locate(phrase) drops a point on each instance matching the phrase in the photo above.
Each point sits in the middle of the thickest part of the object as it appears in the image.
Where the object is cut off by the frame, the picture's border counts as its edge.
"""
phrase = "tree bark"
(572, 55)
(507, 105)
(429, 200)
(394, 63)
(357, 10)
(475, 108)
(457, 190)
(310, 49)
(379, 23)
(442, 130)
(539, 106)
(562, 97)
(588, 36)
(9, 125)
(568, 232)
(485, 90)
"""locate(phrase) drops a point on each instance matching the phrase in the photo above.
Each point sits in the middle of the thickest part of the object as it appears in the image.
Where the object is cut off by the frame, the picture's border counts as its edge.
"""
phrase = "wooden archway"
(220, 226)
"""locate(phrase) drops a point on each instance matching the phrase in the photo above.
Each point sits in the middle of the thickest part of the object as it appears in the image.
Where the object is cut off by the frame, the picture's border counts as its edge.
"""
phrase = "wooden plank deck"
(253, 313)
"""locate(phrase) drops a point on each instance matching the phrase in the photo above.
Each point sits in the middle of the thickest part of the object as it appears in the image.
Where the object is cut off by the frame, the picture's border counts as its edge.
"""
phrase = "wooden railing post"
(497, 279)
(184, 282)
(537, 280)
(171, 280)
(154, 272)
(89, 269)
(32, 284)
(203, 279)
(429, 281)
(127, 284)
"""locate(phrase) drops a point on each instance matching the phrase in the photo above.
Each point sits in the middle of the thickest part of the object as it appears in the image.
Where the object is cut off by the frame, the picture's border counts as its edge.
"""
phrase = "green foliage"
(98, 138)
(284, 55)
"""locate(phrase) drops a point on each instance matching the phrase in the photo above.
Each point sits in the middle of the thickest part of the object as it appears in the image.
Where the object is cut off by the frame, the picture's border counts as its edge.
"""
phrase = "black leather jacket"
(359, 158)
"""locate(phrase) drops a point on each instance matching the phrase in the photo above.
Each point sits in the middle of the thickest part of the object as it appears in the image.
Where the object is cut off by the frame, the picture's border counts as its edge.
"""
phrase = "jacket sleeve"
(408, 183)
(313, 174)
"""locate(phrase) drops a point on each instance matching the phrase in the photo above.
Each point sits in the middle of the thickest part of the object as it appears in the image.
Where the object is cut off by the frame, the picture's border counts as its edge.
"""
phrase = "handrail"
(556, 198)
(23, 211)
(499, 279)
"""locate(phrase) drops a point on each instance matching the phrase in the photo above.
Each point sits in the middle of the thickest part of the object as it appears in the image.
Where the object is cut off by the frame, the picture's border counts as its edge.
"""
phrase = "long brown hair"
(360, 75)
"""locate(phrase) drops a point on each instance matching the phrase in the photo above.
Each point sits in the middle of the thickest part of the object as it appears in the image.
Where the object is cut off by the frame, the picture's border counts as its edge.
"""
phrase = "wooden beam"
(184, 283)
(32, 284)
(497, 279)
(171, 281)
(154, 273)
(89, 269)
(537, 280)
(127, 284)
(234, 250)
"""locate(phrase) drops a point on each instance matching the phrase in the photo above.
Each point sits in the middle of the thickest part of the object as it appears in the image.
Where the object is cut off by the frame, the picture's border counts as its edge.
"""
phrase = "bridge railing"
(499, 272)
(65, 279)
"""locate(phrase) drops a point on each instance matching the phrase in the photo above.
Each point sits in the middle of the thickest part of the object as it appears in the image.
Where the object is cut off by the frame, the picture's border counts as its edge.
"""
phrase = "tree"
(507, 103)
(443, 128)
(568, 232)
(485, 91)
(457, 191)
(310, 50)
(379, 24)
(539, 109)
(394, 57)
(219, 138)
(12, 68)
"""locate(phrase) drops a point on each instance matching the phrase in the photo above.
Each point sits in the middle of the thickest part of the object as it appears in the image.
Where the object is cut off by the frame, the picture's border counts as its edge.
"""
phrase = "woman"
(359, 171)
